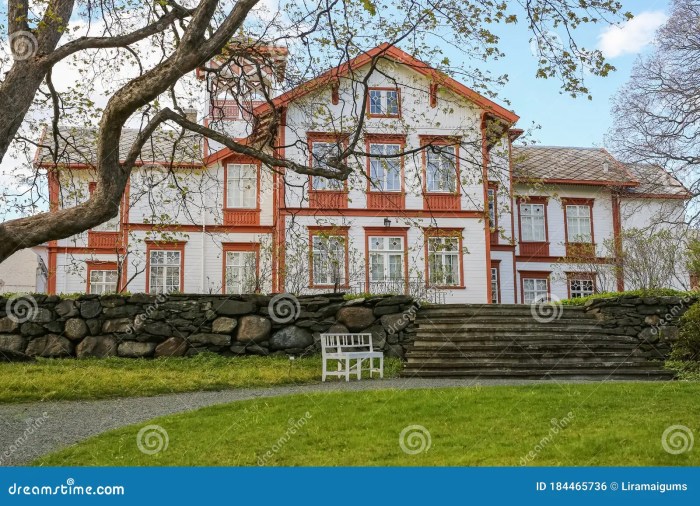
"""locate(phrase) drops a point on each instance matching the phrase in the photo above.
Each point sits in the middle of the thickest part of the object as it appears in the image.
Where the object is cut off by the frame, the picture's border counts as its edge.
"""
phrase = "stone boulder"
(173, 347)
(393, 323)
(13, 342)
(355, 318)
(233, 307)
(210, 339)
(253, 329)
(14, 356)
(66, 309)
(337, 328)
(158, 329)
(133, 349)
(33, 329)
(75, 329)
(50, 346)
(291, 337)
(117, 325)
(97, 346)
(90, 308)
(395, 300)
(8, 324)
(223, 325)
(378, 336)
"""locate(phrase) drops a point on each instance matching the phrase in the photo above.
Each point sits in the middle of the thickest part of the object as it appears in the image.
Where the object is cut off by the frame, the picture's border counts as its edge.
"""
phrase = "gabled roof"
(76, 147)
(656, 182)
(393, 53)
(568, 165)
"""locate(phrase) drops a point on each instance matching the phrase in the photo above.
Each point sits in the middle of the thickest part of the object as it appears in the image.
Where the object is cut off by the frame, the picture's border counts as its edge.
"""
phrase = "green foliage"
(688, 345)
(69, 379)
(693, 257)
(685, 370)
(657, 292)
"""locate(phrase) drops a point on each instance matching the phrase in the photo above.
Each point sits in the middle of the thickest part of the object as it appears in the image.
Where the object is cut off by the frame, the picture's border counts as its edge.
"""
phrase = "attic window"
(384, 102)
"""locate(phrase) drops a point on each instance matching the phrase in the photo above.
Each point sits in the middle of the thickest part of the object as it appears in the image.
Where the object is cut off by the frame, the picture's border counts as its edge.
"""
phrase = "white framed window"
(492, 208)
(535, 290)
(386, 259)
(578, 223)
(494, 285)
(581, 288)
(320, 153)
(164, 275)
(103, 281)
(443, 261)
(384, 102)
(241, 271)
(328, 260)
(241, 186)
(532, 223)
(385, 173)
(441, 169)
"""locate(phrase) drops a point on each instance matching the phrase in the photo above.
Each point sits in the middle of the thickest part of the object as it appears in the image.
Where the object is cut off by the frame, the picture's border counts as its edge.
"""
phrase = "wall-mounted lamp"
(387, 222)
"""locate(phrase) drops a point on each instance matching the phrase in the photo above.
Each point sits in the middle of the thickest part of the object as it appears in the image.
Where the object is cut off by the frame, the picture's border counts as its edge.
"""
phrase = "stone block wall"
(141, 325)
(653, 320)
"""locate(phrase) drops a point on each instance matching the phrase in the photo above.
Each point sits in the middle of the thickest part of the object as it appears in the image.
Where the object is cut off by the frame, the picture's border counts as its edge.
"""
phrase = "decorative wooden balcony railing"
(534, 249)
(104, 239)
(328, 199)
(389, 201)
(241, 216)
(442, 201)
(415, 287)
(582, 250)
(230, 109)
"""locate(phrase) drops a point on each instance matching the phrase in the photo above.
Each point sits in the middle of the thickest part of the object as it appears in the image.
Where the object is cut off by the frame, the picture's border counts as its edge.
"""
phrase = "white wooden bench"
(346, 348)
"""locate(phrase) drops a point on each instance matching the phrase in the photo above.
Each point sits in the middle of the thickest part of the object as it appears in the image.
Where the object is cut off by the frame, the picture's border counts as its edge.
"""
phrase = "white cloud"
(631, 36)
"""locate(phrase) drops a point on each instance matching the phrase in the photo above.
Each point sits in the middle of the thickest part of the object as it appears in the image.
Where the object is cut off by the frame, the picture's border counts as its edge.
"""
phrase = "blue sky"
(566, 121)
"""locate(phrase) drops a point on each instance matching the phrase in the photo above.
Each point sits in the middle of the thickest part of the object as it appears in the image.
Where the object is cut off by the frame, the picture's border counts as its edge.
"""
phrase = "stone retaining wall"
(653, 320)
(143, 325)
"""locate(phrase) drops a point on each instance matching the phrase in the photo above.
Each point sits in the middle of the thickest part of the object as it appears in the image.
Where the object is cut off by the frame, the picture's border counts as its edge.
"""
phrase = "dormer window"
(384, 102)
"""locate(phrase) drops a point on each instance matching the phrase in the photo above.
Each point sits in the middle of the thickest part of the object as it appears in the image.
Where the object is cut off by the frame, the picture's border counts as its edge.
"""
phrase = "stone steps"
(507, 341)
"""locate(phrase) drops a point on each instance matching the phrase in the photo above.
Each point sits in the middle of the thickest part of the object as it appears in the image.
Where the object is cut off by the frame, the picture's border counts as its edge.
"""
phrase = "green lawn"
(608, 424)
(115, 377)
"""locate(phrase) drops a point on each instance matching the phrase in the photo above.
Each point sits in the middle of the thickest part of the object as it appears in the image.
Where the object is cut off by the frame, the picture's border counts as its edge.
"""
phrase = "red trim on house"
(379, 199)
(279, 220)
(374, 213)
(387, 232)
(534, 248)
(577, 249)
(485, 185)
(617, 241)
(329, 231)
(534, 275)
(391, 52)
(573, 276)
(384, 88)
(253, 229)
(335, 92)
(493, 227)
(429, 232)
(241, 215)
(165, 246)
(240, 246)
(496, 264)
(440, 201)
(432, 92)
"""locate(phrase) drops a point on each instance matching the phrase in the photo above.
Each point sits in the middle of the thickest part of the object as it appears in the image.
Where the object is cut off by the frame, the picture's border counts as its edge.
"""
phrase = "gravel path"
(30, 430)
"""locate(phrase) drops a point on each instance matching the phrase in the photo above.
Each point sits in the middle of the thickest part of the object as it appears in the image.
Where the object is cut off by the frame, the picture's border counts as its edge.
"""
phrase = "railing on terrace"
(415, 287)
